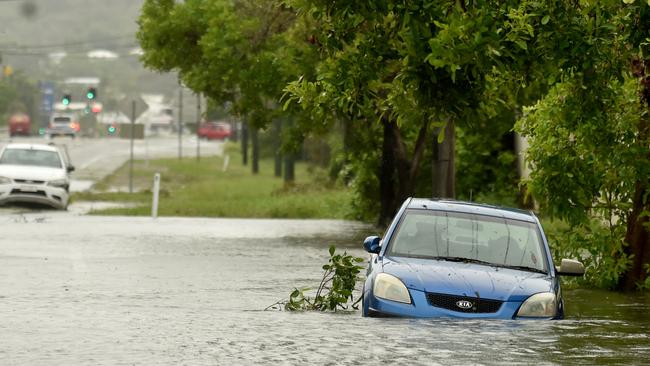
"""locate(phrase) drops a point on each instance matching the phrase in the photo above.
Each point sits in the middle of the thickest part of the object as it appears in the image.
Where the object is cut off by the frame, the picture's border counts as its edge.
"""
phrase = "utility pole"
(131, 135)
(180, 120)
(198, 124)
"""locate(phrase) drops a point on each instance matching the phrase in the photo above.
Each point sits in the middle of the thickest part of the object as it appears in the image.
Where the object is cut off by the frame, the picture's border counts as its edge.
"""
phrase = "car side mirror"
(570, 267)
(371, 244)
(70, 168)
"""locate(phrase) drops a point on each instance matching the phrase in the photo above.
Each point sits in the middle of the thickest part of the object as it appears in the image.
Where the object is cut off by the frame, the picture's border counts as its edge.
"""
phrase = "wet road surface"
(80, 290)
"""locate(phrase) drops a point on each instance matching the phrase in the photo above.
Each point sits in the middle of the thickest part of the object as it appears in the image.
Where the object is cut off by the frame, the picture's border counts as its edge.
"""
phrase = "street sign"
(7, 70)
(126, 106)
(47, 97)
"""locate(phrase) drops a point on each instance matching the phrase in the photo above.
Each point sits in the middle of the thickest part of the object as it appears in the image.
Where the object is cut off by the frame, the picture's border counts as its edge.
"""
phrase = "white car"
(34, 173)
(62, 125)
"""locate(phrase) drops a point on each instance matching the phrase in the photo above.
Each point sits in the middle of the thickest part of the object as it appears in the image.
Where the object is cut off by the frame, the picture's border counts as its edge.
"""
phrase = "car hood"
(31, 172)
(467, 279)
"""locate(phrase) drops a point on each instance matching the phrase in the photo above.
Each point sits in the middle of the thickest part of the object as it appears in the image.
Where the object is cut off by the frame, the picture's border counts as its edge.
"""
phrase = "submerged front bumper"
(56, 197)
(420, 307)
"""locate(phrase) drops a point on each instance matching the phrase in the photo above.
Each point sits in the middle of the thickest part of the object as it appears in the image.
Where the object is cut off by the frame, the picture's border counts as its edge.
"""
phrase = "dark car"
(459, 259)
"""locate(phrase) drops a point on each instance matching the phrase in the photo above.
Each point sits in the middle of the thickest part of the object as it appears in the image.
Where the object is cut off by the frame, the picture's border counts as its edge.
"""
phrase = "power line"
(68, 53)
(15, 47)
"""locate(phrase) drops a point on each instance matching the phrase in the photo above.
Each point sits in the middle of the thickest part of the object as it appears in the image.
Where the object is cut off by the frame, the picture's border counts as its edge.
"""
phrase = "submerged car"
(34, 173)
(464, 260)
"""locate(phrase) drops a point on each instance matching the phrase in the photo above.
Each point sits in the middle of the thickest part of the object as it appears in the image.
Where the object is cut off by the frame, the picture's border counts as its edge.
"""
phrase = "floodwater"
(78, 290)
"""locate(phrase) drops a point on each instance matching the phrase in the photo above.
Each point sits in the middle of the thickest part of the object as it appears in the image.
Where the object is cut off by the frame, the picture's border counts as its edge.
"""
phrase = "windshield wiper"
(464, 260)
(478, 261)
(523, 268)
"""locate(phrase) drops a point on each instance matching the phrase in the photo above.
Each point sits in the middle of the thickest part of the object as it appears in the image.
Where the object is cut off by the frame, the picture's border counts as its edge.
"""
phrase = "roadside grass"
(202, 189)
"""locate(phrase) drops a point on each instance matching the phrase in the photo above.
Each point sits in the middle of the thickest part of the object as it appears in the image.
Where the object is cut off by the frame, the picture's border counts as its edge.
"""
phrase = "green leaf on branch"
(335, 291)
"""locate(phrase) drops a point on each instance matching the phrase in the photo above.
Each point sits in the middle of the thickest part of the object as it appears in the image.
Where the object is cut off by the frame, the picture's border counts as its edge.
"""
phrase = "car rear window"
(426, 233)
(60, 120)
(31, 157)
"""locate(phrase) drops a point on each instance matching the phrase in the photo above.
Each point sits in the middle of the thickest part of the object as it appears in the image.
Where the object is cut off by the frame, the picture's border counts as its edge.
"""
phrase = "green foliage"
(585, 150)
(487, 162)
(588, 138)
(646, 284)
(242, 52)
(17, 94)
(335, 290)
(598, 246)
(587, 157)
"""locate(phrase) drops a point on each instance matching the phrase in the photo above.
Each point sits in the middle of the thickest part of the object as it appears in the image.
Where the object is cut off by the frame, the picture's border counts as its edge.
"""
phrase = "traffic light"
(66, 99)
(112, 129)
(91, 93)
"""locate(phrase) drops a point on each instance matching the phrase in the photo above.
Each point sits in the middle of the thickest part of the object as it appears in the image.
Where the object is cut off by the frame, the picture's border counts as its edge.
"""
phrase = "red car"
(19, 124)
(214, 130)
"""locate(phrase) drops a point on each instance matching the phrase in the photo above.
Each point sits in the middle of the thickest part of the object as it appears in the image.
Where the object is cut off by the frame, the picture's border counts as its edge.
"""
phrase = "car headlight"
(59, 183)
(5, 180)
(391, 288)
(542, 305)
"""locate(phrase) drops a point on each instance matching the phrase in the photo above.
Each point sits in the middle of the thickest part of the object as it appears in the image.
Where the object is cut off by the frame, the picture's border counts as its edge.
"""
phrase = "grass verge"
(203, 189)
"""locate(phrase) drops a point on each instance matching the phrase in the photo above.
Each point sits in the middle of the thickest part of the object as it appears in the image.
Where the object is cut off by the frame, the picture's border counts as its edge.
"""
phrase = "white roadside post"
(226, 162)
(156, 190)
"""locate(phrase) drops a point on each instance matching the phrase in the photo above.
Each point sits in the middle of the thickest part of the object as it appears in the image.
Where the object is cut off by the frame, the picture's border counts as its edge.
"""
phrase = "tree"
(590, 137)
(18, 94)
(230, 51)
(418, 69)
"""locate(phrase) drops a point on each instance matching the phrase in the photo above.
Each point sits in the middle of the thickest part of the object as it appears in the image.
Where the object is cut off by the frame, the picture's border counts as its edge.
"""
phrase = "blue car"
(464, 260)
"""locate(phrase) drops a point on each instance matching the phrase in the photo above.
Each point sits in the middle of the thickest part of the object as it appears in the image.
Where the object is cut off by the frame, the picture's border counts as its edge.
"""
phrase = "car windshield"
(31, 157)
(457, 236)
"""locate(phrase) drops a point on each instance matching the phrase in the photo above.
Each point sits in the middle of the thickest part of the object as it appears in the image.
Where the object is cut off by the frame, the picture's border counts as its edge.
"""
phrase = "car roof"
(32, 147)
(471, 208)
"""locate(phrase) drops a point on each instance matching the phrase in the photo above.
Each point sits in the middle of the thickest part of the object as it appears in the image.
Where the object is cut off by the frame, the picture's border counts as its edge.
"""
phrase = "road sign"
(7, 70)
(47, 97)
(126, 106)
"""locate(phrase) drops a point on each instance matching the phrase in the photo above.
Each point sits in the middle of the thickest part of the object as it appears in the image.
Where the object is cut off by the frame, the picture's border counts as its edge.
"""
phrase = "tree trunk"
(234, 136)
(347, 148)
(278, 144)
(638, 222)
(443, 168)
(289, 171)
(244, 143)
(387, 199)
(256, 150)
(636, 239)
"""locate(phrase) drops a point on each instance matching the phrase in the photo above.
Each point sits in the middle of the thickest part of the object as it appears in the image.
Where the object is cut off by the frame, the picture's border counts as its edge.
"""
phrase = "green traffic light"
(66, 101)
(111, 129)
(91, 93)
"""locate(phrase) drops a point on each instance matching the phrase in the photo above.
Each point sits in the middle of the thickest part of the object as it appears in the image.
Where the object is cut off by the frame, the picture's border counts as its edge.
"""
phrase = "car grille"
(32, 193)
(451, 302)
(25, 181)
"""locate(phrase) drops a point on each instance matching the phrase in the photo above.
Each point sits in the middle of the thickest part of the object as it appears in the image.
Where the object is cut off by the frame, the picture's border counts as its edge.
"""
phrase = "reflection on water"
(73, 291)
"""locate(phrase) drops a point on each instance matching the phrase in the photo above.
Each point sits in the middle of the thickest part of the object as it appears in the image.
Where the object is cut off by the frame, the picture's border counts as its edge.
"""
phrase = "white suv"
(34, 173)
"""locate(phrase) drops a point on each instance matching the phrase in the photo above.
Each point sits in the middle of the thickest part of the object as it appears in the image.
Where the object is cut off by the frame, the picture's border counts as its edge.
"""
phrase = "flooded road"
(83, 290)
(94, 159)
